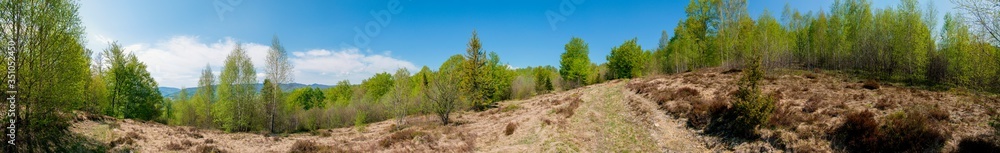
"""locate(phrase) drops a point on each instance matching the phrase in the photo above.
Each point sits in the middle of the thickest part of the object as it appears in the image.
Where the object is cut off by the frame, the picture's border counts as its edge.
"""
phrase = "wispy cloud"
(178, 61)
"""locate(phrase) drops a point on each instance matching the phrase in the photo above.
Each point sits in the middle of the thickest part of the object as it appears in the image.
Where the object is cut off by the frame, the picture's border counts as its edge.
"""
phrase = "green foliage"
(750, 108)
(400, 99)
(626, 61)
(237, 95)
(339, 95)
(307, 98)
(575, 62)
(472, 81)
(204, 99)
(376, 86)
(279, 70)
(132, 91)
(52, 70)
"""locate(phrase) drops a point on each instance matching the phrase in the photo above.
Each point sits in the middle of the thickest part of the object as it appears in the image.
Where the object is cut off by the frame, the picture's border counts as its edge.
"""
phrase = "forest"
(57, 75)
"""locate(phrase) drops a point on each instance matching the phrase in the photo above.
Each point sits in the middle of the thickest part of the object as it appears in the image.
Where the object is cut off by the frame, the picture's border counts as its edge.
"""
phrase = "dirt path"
(598, 118)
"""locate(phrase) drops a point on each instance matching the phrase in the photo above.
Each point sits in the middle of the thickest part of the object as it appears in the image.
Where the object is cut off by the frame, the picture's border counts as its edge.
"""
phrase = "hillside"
(639, 115)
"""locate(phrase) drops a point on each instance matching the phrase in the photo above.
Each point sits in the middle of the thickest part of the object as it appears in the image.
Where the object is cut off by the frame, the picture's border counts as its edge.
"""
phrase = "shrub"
(510, 128)
(911, 130)
(685, 92)
(858, 132)
(174, 146)
(208, 149)
(303, 146)
(402, 135)
(750, 108)
(977, 144)
(704, 111)
(813, 104)
(523, 87)
(870, 84)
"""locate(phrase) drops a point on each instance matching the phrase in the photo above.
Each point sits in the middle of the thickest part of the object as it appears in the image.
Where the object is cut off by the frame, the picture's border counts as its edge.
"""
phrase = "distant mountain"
(171, 91)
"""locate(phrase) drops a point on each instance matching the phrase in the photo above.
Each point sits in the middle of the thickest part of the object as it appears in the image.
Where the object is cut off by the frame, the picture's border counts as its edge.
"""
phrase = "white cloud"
(179, 61)
(327, 67)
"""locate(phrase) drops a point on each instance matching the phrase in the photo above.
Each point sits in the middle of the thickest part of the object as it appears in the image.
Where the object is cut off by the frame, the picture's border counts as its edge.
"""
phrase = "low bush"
(399, 136)
(858, 132)
(911, 130)
(685, 92)
(704, 111)
(208, 149)
(510, 128)
(870, 84)
(174, 146)
(303, 146)
(977, 145)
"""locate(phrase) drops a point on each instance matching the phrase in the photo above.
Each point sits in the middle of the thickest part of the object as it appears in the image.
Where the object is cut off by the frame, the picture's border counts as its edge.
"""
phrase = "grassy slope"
(607, 117)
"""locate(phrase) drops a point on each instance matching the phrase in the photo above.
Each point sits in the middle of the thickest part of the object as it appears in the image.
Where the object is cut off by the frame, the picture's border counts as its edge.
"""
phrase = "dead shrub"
(129, 138)
(685, 92)
(870, 85)
(680, 109)
(303, 146)
(703, 112)
(510, 128)
(911, 130)
(884, 103)
(938, 114)
(811, 75)
(977, 144)
(208, 149)
(813, 104)
(399, 136)
(858, 133)
(174, 146)
(187, 143)
(784, 116)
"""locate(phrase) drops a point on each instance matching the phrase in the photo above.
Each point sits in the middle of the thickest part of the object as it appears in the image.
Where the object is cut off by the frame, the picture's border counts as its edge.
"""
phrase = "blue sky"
(178, 38)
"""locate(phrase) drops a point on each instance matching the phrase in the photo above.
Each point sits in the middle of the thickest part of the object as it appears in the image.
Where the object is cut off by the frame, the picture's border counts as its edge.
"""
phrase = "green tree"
(626, 60)
(204, 99)
(575, 62)
(441, 88)
(472, 76)
(376, 86)
(237, 92)
(339, 95)
(51, 70)
(401, 95)
(278, 70)
(132, 91)
(269, 93)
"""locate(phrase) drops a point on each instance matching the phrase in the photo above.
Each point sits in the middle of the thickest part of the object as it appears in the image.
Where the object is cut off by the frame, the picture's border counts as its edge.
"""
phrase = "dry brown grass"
(174, 146)
(885, 103)
(208, 149)
(400, 136)
(573, 102)
(304, 146)
(813, 104)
